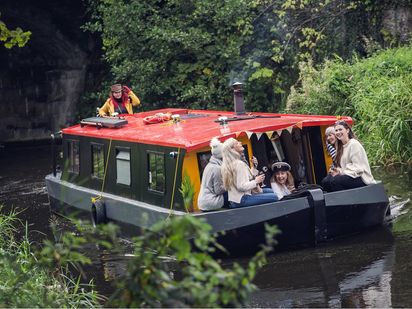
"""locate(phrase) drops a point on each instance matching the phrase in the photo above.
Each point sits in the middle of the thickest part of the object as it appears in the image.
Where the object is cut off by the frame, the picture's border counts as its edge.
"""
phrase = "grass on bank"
(173, 266)
(376, 92)
(26, 282)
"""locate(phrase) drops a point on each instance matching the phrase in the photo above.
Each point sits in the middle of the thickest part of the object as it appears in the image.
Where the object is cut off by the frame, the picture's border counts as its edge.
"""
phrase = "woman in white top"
(282, 180)
(354, 170)
(242, 186)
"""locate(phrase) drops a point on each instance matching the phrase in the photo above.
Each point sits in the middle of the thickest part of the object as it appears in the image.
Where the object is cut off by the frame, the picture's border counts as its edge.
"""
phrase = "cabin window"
(123, 166)
(97, 161)
(73, 150)
(156, 164)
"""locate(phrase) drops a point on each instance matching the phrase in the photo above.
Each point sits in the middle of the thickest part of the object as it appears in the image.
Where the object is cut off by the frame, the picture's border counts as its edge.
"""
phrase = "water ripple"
(397, 207)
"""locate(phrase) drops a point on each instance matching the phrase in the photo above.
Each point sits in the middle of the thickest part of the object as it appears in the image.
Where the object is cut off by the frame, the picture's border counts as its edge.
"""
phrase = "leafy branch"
(11, 38)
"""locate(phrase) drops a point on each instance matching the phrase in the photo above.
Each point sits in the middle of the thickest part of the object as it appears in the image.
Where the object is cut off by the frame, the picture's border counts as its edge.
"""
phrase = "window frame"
(93, 145)
(70, 156)
(149, 171)
(118, 150)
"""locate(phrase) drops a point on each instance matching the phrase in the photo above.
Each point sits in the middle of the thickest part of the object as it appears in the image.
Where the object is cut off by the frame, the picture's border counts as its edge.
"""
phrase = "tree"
(14, 37)
(179, 52)
(176, 51)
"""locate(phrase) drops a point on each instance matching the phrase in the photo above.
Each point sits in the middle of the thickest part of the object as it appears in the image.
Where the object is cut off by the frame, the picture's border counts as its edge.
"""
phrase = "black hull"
(295, 231)
(306, 220)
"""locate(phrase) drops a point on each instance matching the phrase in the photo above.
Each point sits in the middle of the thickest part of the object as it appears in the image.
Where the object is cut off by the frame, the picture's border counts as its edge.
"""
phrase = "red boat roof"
(197, 127)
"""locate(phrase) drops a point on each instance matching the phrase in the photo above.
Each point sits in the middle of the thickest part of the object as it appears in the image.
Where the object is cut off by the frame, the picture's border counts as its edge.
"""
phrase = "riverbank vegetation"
(188, 53)
(173, 267)
(324, 57)
(167, 270)
(375, 91)
(27, 282)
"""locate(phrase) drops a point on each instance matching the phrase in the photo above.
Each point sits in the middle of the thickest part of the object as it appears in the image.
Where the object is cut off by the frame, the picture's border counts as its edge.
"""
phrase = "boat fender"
(98, 212)
(316, 200)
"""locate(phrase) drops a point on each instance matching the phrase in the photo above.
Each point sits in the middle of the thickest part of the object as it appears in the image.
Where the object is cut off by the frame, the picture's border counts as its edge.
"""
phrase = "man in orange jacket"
(121, 100)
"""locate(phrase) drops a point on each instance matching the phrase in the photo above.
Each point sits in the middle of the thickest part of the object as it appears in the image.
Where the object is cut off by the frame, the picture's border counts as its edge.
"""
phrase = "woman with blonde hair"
(243, 188)
(282, 180)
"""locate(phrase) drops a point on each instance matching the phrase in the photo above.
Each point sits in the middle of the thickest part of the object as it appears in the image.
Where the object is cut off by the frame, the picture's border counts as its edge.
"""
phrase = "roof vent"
(238, 98)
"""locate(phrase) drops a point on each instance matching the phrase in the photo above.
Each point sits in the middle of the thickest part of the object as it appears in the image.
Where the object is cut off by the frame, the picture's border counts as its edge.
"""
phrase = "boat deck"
(197, 127)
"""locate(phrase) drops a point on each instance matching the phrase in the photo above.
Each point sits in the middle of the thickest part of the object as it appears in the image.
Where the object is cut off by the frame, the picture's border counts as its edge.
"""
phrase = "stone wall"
(398, 22)
(40, 84)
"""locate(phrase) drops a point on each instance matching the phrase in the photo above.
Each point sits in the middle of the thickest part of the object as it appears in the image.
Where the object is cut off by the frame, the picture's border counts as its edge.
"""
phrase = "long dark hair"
(351, 135)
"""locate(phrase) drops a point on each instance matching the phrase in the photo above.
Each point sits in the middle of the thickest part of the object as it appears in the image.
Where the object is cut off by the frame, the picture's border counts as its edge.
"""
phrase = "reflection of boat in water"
(357, 274)
(129, 172)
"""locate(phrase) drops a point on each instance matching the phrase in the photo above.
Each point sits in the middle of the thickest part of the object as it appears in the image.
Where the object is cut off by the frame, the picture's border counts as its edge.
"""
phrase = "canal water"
(369, 270)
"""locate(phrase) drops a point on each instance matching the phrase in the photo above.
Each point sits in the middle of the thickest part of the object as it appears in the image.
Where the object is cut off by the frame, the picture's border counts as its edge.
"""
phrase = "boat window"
(97, 161)
(73, 154)
(156, 165)
(123, 166)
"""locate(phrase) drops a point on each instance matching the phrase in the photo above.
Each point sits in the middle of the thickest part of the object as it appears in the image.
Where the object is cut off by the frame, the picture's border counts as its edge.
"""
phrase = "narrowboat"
(129, 169)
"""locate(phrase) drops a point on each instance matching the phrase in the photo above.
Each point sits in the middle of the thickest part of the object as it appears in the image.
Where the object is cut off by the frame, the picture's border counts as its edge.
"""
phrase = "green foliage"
(173, 50)
(375, 91)
(188, 191)
(187, 53)
(25, 282)
(7, 227)
(172, 267)
(11, 38)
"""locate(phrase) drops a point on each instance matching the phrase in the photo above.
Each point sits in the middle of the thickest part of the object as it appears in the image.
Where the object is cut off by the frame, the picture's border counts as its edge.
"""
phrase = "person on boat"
(331, 142)
(353, 168)
(121, 101)
(282, 182)
(212, 194)
(243, 188)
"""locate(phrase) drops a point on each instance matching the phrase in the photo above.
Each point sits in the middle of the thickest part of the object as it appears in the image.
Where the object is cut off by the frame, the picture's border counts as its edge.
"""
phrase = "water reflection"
(354, 274)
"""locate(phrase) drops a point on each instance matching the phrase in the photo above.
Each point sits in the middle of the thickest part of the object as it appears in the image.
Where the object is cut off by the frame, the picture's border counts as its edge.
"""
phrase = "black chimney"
(238, 98)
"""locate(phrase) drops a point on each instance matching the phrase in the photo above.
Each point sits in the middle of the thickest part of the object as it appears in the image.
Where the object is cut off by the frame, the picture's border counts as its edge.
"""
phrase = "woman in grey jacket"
(212, 193)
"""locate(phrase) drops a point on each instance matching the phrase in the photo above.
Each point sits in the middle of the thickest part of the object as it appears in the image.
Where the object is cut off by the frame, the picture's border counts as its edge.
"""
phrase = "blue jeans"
(255, 199)
(267, 190)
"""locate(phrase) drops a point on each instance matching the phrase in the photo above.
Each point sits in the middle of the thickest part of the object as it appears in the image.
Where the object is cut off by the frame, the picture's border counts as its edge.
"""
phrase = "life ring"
(156, 118)
(98, 213)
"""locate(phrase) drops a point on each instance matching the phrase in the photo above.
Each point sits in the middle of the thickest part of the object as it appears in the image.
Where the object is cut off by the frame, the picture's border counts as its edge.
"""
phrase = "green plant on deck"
(188, 191)
(173, 267)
